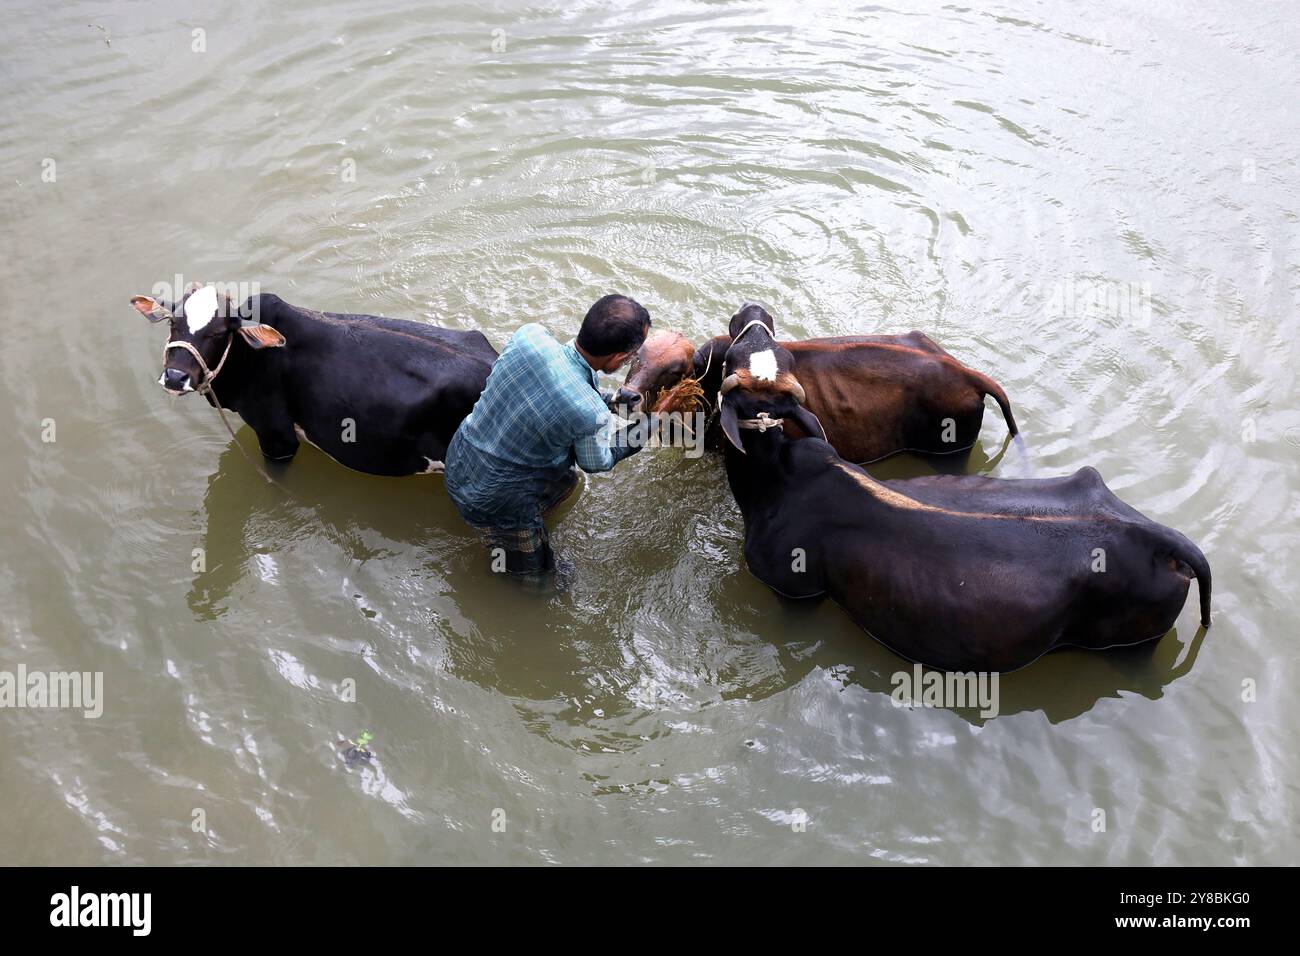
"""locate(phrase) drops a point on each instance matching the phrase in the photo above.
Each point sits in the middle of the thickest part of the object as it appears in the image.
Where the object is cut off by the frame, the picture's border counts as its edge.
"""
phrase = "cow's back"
(379, 395)
(469, 341)
(881, 394)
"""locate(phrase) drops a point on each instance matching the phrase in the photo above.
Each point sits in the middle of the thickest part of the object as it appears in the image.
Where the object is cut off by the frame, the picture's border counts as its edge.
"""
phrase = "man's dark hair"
(614, 324)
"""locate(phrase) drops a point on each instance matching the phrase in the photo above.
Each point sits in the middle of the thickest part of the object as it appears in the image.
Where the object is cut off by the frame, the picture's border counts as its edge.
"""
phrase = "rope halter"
(761, 424)
(741, 334)
(208, 374)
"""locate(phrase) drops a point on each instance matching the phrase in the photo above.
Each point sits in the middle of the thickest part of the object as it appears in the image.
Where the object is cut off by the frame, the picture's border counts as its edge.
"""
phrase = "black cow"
(959, 572)
(382, 396)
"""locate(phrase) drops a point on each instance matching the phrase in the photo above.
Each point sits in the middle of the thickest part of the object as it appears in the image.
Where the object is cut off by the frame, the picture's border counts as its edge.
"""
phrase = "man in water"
(541, 413)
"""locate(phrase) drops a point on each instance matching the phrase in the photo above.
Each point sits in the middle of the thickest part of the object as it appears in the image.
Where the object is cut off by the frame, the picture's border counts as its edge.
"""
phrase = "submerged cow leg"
(1142, 612)
(277, 435)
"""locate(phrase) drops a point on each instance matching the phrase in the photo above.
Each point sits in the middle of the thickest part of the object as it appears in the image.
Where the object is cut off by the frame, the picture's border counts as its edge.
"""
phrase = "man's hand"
(632, 438)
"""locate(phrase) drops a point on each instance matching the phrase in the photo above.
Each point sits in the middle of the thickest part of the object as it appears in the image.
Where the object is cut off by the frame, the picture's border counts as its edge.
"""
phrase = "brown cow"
(875, 395)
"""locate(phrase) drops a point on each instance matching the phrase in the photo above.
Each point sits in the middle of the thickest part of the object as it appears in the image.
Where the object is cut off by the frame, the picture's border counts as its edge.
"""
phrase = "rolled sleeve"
(594, 453)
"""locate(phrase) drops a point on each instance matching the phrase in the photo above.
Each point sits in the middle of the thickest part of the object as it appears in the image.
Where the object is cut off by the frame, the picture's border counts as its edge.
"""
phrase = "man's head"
(612, 331)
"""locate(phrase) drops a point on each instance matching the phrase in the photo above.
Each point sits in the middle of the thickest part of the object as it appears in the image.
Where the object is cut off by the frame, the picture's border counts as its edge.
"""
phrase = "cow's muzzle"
(175, 381)
(627, 397)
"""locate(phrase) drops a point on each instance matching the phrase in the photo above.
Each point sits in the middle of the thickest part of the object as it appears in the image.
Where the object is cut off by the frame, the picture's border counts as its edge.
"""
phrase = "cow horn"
(728, 383)
(797, 390)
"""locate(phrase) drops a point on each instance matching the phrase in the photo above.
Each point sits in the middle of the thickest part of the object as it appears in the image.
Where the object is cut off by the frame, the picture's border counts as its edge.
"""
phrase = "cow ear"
(700, 359)
(809, 422)
(708, 359)
(261, 336)
(729, 426)
(151, 308)
(707, 369)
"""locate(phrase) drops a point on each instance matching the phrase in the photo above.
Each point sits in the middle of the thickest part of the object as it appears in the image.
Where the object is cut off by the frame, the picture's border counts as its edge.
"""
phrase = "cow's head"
(750, 313)
(204, 321)
(660, 364)
(665, 360)
(759, 389)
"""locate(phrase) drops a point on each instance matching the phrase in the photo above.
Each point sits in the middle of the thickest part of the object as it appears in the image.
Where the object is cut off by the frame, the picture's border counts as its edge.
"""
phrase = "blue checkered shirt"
(542, 408)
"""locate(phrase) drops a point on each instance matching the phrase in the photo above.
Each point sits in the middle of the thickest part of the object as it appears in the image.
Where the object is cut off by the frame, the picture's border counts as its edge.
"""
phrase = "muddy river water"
(1096, 204)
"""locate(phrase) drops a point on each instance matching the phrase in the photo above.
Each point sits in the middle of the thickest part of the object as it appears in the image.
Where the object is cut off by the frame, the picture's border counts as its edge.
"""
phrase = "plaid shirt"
(542, 409)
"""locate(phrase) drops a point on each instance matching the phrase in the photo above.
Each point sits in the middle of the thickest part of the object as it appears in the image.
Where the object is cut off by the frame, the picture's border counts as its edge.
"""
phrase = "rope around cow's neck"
(741, 334)
(717, 404)
(206, 387)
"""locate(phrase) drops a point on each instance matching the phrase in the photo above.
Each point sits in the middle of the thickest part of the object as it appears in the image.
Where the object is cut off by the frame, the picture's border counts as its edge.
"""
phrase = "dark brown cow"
(876, 395)
(960, 572)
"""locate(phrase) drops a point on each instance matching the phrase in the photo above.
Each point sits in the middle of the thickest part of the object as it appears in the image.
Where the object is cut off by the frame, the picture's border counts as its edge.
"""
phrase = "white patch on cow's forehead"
(763, 365)
(200, 308)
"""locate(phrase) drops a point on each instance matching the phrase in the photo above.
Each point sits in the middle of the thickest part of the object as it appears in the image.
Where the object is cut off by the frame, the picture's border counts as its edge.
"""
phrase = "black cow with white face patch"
(379, 395)
(960, 572)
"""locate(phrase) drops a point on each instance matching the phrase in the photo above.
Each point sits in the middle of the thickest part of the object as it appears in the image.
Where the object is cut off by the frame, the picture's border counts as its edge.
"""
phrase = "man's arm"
(607, 446)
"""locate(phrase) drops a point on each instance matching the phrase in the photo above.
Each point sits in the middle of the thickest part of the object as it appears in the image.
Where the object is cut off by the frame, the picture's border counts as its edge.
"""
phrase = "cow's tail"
(992, 388)
(1191, 555)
